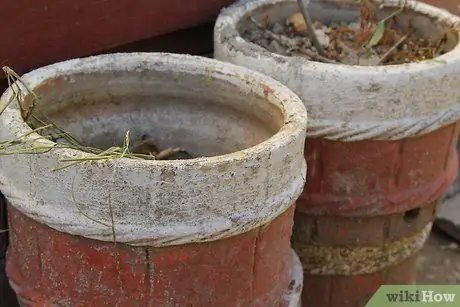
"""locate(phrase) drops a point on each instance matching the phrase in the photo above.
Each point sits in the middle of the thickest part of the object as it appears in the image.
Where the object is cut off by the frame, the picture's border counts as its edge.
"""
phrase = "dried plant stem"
(77, 206)
(13, 81)
(106, 155)
(310, 28)
(35, 117)
(18, 140)
(393, 48)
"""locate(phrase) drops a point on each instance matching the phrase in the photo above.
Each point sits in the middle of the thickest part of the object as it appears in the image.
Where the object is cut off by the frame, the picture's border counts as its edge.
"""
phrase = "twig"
(439, 44)
(389, 51)
(77, 206)
(4, 230)
(13, 76)
(310, 28)
(18, 140)
(48, 130)
(31, 151)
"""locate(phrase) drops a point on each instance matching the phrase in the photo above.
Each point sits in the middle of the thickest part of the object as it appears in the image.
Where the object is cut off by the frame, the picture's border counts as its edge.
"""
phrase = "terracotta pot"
(210, 231)
(380, 151)
(56, 30)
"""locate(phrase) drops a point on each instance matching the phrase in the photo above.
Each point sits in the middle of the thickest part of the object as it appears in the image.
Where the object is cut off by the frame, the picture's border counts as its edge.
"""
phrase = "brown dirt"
(376, 38)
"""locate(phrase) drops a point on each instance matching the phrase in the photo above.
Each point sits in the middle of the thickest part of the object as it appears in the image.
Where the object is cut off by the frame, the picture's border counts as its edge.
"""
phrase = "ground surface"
(439, 261)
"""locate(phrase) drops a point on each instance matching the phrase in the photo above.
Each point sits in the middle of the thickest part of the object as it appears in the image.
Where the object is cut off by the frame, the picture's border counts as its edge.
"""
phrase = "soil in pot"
(367, 34)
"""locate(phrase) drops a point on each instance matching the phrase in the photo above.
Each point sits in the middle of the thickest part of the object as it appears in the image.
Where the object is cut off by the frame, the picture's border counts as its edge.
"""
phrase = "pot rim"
(272, 91)
(417, 6)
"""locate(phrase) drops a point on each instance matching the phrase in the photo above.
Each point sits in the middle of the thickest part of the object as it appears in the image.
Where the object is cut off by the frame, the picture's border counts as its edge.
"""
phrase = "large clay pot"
(380, 149)
(210, 231)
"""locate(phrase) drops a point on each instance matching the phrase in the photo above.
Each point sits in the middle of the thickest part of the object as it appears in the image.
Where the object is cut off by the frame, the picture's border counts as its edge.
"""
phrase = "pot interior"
(202, 115)
(330, 11)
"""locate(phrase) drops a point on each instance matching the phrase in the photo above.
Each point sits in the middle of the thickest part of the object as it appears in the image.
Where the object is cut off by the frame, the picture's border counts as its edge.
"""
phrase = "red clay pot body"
(47, 267)
(368, 194)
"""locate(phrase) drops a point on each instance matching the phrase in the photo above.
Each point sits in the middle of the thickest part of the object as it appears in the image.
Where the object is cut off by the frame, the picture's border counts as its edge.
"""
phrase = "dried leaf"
(377, 36)
(297, 22)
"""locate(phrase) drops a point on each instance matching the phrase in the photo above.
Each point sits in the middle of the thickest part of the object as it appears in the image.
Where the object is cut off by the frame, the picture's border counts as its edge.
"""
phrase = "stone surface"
(448, 217)
(439, 261)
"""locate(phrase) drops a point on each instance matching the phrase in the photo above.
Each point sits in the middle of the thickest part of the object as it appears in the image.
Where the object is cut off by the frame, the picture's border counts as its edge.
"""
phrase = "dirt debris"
(369, 41)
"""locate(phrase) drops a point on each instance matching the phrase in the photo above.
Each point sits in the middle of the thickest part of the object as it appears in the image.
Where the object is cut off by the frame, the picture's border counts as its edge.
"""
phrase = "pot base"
(45, 266)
